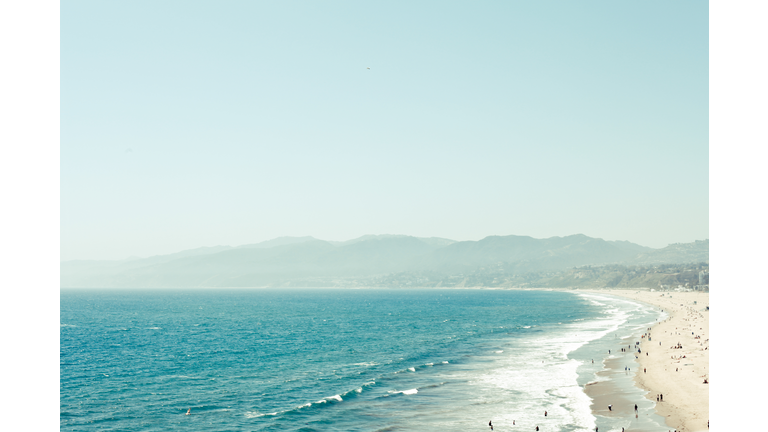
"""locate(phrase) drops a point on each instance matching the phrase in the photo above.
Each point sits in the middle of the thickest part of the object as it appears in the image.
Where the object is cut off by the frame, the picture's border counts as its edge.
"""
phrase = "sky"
(189, 124)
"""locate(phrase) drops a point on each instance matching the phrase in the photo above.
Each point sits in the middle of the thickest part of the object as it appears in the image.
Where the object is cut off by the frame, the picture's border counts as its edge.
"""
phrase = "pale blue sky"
(188, 124)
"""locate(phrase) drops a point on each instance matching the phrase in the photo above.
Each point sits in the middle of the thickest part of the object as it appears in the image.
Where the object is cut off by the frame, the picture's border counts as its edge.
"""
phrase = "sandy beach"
(676, 374)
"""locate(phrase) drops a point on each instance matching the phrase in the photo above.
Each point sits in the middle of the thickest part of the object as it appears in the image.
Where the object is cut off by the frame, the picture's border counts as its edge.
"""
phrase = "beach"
(675, 374)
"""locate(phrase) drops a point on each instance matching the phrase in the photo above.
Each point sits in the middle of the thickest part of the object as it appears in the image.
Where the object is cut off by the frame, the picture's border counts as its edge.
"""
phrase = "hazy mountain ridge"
(306, 261)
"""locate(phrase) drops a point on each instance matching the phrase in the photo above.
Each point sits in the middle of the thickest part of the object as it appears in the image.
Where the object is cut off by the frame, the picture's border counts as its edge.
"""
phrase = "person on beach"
(610, 407)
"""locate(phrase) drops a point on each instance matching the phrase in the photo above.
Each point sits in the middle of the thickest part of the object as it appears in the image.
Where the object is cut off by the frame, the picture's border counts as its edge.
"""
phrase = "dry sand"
(680, 380)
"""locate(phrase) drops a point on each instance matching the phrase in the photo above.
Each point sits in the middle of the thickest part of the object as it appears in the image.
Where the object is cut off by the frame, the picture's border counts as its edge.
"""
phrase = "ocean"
(345, 360)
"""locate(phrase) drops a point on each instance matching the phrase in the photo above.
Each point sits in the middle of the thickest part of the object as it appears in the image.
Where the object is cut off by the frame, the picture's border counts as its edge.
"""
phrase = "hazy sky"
(188, 124)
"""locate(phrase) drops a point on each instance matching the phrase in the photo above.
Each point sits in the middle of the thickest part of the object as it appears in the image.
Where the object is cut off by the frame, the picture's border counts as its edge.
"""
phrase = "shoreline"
(663, 371)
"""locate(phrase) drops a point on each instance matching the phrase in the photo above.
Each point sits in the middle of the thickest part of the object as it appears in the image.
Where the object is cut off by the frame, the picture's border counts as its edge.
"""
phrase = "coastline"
(685, 405)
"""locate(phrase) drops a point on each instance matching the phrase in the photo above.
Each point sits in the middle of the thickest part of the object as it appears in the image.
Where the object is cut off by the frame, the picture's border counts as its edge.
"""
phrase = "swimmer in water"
(189, 411)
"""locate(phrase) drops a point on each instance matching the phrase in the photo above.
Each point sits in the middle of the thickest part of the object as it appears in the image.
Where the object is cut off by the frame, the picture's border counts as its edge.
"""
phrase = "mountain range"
(307, 261)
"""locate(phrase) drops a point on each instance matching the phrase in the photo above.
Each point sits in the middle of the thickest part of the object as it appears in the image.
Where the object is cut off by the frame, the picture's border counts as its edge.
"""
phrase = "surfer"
(490, 423)
(609, 408)
(189, 411)
(545, 413)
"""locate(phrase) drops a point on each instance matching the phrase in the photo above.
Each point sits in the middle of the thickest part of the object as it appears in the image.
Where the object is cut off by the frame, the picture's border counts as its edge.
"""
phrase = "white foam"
(412, 369)
(336, 397)
(253, 414)
(184, 376)
(537, 371)
(499, 351)
(409, 392)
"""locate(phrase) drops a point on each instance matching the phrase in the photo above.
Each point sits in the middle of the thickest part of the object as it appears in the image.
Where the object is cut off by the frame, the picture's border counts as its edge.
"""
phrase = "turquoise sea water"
(339, 360)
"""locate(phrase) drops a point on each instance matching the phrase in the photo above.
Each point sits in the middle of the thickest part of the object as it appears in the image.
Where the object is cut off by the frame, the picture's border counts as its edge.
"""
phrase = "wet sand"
(615, 386)
(680, 380)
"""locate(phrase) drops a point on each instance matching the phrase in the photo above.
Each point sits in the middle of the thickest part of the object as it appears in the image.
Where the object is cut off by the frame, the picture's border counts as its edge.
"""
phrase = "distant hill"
(306, 261)
(675, 253)
(280, 241)
(529, 254)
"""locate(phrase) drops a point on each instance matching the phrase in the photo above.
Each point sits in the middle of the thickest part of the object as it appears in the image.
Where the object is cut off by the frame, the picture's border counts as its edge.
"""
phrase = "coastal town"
(661, 277)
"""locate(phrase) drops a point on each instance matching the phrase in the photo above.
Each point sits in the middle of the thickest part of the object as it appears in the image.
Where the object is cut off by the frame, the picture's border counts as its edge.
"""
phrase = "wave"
(434, 385)
(185, 377)
(416, 368)
(355, 392)
(254, 414)
(327, 401)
